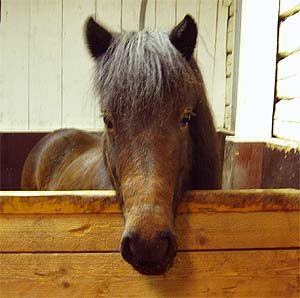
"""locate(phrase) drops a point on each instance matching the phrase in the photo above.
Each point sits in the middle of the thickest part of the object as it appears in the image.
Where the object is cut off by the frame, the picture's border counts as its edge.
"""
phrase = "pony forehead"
(143, 69)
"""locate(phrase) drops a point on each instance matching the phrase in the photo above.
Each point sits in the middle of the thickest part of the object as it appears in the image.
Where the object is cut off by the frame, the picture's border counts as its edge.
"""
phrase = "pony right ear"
(97, 37)
(184, 36)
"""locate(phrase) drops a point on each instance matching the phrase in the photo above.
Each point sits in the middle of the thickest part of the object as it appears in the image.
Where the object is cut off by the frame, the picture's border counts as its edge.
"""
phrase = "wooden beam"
(102, 232)
(255, 63)
(99, 201)
(263, 273)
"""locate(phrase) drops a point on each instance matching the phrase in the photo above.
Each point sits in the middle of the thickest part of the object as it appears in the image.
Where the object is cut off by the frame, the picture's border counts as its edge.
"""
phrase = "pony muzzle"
(149, 256)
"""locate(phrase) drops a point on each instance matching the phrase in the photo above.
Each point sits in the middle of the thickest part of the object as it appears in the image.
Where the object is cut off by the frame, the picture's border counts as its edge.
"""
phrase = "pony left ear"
(97, 37)
(184, 36)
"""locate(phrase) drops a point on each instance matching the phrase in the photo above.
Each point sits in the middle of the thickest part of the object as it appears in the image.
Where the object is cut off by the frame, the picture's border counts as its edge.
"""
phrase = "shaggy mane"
(143, 70)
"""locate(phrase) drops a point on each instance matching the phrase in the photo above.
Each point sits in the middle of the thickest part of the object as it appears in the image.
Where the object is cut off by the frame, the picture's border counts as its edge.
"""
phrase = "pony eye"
(186, 119)
(108, 122)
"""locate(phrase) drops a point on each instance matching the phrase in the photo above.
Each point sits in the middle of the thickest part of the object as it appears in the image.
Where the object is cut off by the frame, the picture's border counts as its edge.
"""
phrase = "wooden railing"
(231, 243)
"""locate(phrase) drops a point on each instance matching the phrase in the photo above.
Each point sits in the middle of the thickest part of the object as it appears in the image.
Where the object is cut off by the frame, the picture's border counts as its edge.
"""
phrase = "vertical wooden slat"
(130, 15)
(78, 102)
(150, 15)
(187, 7)
(219, 80)
(14, 65)
(108, 12)
(165, 14)
(207, 25)
(45, 73)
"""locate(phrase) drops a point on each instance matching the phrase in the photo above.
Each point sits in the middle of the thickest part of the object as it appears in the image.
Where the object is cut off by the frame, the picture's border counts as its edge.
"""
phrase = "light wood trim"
(80, 202)
(271, 273)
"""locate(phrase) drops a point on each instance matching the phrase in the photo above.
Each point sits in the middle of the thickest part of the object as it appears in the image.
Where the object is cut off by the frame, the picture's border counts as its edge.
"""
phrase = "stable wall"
(45, 69)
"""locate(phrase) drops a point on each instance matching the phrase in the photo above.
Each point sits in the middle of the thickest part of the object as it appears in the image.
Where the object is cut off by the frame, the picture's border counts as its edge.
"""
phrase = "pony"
(159, 138)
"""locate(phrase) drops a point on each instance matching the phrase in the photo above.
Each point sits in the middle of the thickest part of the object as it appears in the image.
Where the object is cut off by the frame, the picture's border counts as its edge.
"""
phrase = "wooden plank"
(219, 83)
(207, 26)
(209, 274)
(281, 166)
(288, 88)
(78, 102)
(256, 88)
(150, 17)
(45, 68)
(289, 66)
(14, 51)
(108, 12)
(288, 7)
(195, 231)
(287, 130)
(187, 7)
(99, 201)
(230, 34)
(232, 8)
(229, 65)
(289, 37)
(130, 15)
(288, 110)
(165, 15)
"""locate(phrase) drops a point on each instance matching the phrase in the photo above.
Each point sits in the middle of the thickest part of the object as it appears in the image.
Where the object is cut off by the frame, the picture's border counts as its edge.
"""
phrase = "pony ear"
(97, 37)
(184, 36)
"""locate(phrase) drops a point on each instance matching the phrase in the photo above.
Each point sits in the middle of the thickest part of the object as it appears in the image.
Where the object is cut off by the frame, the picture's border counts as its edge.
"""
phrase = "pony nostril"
(161, 248)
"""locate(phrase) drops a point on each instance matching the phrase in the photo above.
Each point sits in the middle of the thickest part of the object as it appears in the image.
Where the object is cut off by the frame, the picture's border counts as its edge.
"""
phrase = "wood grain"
(196, 274)
(102, 232)
(99, 201)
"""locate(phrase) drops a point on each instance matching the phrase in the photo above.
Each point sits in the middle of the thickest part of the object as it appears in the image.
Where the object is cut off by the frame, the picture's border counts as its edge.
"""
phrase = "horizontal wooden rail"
(104, 201)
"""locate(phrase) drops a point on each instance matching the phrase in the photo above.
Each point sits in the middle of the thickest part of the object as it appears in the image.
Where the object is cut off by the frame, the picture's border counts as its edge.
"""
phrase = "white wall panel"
(45, 65)
(44, 55)
(78, 101)
(165, 15)
(14, 65)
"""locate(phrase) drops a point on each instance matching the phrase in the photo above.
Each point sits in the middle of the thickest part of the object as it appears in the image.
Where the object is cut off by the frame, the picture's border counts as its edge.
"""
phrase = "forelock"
(142, 70)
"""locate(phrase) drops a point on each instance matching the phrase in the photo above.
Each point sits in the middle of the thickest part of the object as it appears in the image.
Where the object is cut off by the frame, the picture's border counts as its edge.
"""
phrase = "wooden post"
(255, 67)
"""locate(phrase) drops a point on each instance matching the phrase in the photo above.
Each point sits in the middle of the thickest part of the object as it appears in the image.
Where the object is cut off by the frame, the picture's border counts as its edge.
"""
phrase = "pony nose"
(160, 250)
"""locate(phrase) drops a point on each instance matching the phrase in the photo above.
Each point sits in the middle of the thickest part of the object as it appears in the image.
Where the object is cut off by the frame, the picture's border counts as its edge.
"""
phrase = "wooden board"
(265, 273)
(165, 15)
(230, 34)
(289, 37)
(288, 7)
(206, 43)
(288, 110)
(289, 66)
(99, 201)
(45, 65)
(287, 130)
(78, 101)
(256, 164)
(219, 82)
(14, 58)
(102, 232)
(131, 15)
(289, 87)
